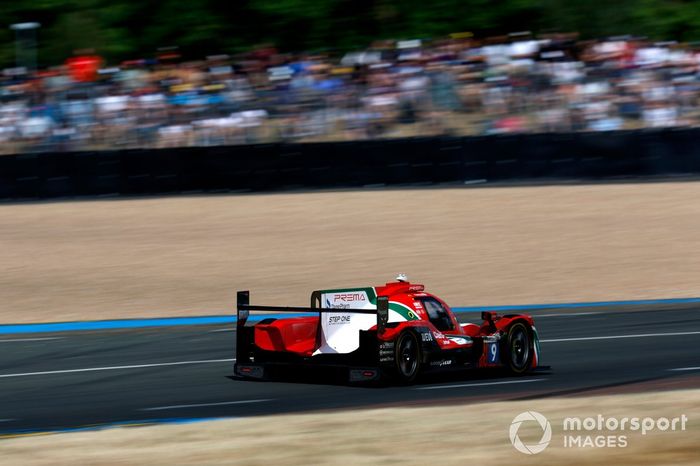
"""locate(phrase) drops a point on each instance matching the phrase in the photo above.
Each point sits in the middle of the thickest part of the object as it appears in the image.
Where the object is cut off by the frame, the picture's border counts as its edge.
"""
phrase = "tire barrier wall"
(414, 161)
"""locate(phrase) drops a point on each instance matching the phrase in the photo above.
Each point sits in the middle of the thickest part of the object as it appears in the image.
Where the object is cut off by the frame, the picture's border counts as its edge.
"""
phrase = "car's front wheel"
(519, 348)
(407, 357)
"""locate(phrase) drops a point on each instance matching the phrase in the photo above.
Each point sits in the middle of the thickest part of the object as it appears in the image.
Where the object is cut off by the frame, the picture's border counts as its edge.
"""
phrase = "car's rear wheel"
(407, 357)
(519, 348)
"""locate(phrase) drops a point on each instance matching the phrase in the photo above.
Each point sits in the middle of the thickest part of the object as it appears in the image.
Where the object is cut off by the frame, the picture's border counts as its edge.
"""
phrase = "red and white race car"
(397, 330)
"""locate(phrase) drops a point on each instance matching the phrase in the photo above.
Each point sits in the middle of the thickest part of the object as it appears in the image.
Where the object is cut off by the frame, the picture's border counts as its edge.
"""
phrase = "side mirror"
(489, 317)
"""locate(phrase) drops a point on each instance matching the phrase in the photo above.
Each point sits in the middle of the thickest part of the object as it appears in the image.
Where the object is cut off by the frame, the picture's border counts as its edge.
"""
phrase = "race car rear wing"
(244, 308)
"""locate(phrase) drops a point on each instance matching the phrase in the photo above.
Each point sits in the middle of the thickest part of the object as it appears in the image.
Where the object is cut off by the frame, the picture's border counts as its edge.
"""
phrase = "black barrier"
(391, 162)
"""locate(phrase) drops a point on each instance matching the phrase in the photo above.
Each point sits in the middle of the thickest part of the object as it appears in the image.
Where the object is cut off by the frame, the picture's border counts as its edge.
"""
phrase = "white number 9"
(494, 353)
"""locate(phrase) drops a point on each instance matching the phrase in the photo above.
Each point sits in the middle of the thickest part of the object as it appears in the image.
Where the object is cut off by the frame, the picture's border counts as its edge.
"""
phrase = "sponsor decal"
(442, 363)
(427, 336)
(348, 297)
(386, 351)
(460, 340)
(341, 319)
(329, 305)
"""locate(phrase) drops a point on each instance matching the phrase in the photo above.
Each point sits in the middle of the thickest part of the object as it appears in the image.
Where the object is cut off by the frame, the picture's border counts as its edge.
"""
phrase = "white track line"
(6, 420)
(12, 340)
(223, 403)
(223, 330)
(114, 368)
(484, 384)
(686, 369)
(566, 314)
(615, 337)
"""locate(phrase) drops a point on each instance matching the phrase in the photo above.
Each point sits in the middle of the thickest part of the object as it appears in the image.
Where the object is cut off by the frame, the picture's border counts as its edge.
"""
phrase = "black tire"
(408, 357)
(519, 348)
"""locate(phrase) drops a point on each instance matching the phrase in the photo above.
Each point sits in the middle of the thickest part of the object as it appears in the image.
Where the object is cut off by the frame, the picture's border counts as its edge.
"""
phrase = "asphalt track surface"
(68, 380)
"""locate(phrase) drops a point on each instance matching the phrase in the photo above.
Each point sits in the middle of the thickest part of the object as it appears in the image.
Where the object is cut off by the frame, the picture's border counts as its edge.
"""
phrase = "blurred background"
(608, 81)
(96, 74)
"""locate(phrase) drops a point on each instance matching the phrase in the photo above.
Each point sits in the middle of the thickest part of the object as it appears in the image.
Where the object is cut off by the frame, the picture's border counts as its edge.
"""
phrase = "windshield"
(437, 314)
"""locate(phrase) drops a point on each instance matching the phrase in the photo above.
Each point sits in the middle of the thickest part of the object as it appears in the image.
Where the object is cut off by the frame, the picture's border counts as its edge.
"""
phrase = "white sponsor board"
(340, 331)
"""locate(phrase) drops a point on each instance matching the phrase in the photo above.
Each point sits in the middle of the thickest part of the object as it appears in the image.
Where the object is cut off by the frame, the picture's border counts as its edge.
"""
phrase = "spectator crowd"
(456, 85)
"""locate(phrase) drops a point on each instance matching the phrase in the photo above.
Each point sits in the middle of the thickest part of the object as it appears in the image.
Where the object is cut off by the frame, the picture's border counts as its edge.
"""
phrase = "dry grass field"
(488, 246)
(450, 435)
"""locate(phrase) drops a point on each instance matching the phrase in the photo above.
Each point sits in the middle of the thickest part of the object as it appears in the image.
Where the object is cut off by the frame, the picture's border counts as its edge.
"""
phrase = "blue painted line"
(131, 323)
(532, 307)
(231, 319)
(113, 324)
(111, 425)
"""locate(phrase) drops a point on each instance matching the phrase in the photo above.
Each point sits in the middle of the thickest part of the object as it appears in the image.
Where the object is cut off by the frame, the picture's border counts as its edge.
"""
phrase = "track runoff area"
(87, 375)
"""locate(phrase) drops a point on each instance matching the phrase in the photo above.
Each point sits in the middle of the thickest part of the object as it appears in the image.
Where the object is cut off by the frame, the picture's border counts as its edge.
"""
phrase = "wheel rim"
(519, 349)
(408, 361)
